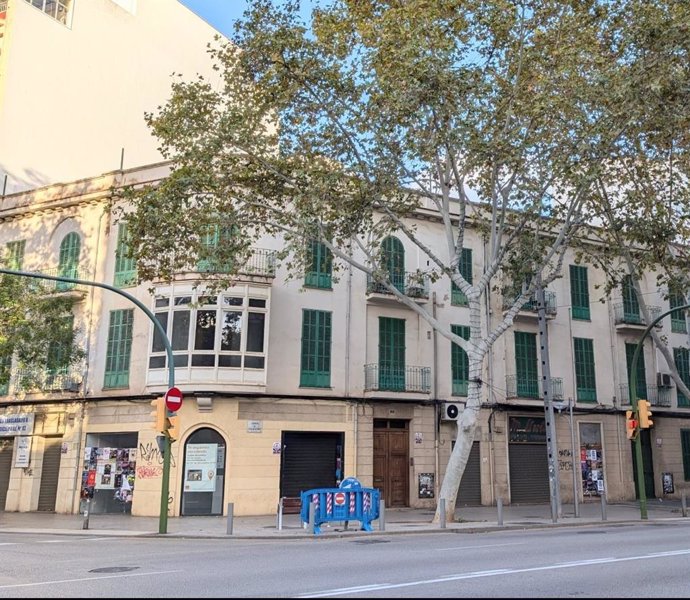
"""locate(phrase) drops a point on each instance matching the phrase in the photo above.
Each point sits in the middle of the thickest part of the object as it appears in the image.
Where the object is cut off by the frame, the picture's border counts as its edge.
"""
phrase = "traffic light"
(631, 424)
(645, 413)
(174, 427)
(158, 413)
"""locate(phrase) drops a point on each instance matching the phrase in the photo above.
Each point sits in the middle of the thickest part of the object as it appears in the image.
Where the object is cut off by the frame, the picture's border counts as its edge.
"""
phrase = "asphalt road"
(645, 560)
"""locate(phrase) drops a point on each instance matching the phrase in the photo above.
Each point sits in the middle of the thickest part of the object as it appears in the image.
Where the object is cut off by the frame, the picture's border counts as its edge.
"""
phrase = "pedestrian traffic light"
(631, 424)
(645, 413)
(158, 414)
(173, 427)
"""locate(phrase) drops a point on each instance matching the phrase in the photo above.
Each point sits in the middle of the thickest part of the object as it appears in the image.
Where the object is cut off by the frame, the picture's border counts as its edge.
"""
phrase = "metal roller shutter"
(49, 474)
(529, 473)
(470, 493)
(308, 461)
(6, 448)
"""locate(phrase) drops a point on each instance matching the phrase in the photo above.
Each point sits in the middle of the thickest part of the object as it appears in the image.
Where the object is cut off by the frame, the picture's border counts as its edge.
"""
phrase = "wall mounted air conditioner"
(663, 380)
(451, 411)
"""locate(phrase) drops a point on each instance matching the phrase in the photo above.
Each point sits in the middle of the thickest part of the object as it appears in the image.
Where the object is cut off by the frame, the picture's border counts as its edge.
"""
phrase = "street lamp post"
(165, 484)
(642, 492)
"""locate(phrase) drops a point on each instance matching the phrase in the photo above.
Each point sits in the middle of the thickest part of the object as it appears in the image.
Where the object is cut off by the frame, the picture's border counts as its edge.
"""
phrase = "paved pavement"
(397, 521)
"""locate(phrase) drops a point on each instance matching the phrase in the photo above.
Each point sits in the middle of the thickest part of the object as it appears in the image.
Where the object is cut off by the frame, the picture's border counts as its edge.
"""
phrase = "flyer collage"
(110, 469)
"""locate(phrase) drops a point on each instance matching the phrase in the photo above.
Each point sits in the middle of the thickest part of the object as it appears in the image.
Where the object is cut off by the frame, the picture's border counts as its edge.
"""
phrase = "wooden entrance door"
(391, 460)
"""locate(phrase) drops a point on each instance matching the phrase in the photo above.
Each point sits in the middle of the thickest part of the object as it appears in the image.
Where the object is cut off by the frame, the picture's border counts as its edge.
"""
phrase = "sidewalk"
(397, 521)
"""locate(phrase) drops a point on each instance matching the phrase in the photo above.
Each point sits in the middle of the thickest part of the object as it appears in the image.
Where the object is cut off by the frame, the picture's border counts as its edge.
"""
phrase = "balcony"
(630, 318)
(529, 309)
(520, 387)
(657, 396)
(3, 8)
(413, 285)
(64, 379)
(261, 263)
(49, 286)
(378, 378)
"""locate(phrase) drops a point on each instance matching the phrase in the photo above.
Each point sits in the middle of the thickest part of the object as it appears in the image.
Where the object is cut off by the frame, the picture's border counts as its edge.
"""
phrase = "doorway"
(391, 460)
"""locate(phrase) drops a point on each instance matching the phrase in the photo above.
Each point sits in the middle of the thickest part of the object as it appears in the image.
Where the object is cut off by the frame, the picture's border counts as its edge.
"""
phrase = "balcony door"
(394, 262)
(391, 354)
(526, 365)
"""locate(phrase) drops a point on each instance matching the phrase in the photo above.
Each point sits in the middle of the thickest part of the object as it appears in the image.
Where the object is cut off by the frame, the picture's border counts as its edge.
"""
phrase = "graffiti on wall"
(152, 459)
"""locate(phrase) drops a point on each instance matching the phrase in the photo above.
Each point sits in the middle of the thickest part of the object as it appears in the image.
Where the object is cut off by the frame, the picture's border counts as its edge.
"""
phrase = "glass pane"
(254, 362)
(180, 360)
(158, 345)
(231, 334)
(229, 301)
(157, 362)
(183, 300)
(203, 360)
(205, 335)
(225, 360)
(255, 332)
(161, 302)
(180, 330)
(256, 303)
(206, 300)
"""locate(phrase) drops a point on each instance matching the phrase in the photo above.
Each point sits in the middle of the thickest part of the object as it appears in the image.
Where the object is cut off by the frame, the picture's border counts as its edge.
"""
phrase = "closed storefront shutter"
(309, 460)
(6, 447)
(49, 474)
(470, 493)
(529, 473)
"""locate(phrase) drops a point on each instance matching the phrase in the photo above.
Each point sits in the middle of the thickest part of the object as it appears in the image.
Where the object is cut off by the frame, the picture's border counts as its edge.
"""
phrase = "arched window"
(204, 473)
(393, 261)
(68, 265)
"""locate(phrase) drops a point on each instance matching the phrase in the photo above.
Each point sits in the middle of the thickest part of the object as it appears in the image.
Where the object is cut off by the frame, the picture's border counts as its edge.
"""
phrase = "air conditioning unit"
(663, 380)
(451, 411)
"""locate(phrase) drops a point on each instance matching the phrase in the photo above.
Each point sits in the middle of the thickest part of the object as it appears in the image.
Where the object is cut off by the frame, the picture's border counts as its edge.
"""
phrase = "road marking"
(18, 585)
(477, 574)
(52, 541)
(8, 543)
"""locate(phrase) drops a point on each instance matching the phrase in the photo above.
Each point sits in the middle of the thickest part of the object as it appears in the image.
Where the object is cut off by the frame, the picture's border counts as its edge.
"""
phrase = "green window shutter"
(641, 379)
(394, 262)
(459, 362)
(320, 270)
(457, 298)
(579, 292)
(681, 356)
(68, 263)
(316, 349)
(678, 324)
(5, 372)
(526, 364)
(209, 262)
(631, 306)
(584, 370)
(119, 349)
(15, 254)
(685, 449)
(125, 267)
(60, 350)
(391, 354)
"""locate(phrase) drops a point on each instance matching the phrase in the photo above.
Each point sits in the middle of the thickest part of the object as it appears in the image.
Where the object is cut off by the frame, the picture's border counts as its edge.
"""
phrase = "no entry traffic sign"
(173, 399)
(339, 498)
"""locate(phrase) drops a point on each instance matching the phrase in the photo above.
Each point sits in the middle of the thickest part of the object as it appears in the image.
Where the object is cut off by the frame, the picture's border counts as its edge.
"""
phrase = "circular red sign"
(173, 399)
(339, 498)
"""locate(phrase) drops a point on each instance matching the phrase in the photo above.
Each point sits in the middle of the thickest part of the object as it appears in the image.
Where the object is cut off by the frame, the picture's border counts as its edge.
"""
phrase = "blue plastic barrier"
(349, 502)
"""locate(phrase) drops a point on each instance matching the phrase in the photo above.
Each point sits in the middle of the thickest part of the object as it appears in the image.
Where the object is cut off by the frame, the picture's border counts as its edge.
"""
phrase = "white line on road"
(18, 585)
(477, 574)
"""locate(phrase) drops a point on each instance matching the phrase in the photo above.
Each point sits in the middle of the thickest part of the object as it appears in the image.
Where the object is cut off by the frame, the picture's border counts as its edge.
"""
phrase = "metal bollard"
(442, 512)
(85, 522)
(499, 506)
(280, 514)
(382, 515)
(603, 506)
(683, 504)
(312, 517)
(231, 508)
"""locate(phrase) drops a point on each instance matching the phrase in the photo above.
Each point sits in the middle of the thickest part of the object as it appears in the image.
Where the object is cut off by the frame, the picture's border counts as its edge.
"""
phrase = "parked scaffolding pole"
(547, 392)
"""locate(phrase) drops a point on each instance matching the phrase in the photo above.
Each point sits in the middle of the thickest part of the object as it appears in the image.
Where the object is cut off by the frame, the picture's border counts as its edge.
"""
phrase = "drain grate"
(112, 569)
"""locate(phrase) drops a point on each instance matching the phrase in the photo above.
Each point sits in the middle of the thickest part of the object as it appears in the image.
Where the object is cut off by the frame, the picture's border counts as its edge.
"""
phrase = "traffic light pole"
(165, 485)
(642, 492)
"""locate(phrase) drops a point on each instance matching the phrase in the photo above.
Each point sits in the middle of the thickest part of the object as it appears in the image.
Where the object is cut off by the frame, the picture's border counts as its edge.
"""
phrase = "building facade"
(292, 384)
(77, 77)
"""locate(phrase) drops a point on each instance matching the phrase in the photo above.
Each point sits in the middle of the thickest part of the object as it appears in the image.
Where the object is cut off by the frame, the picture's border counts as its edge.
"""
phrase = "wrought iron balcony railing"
(414, 285)
(624, 314)
(531, 304)
(3, 6)
(262, 262)
(657, 396)
(380, 378)
(523, 387)
(62, 379)
(50, 286)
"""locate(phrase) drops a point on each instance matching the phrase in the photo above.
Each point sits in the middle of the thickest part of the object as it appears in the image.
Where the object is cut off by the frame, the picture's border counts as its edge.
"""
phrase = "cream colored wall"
(72, 97)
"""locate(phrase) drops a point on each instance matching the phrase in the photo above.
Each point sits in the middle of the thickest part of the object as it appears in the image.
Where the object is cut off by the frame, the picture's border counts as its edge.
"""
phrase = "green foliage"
(36, 329)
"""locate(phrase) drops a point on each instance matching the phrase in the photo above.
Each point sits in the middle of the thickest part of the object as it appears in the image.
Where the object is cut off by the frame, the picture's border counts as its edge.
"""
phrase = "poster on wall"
(200, 467)
(426, 485)
(23, 453)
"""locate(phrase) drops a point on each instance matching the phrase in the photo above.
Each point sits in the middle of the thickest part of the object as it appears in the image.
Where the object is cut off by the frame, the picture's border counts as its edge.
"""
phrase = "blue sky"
(219, 13)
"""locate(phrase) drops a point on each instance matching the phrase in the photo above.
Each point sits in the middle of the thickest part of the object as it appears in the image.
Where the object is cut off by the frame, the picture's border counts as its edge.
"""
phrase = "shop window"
(203, 473)
(591, 459)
